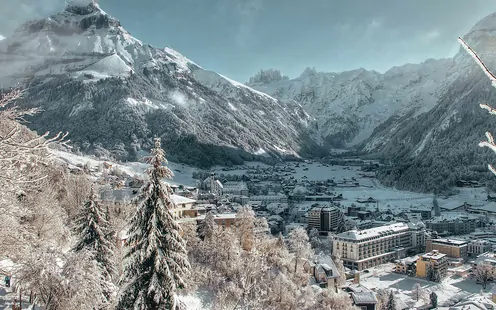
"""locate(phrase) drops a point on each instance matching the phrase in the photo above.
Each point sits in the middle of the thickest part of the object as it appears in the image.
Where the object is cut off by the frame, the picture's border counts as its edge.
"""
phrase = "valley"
(173, 186)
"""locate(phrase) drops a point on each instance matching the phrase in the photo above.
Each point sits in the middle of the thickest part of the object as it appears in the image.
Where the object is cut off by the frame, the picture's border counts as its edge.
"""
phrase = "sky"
(237, 38)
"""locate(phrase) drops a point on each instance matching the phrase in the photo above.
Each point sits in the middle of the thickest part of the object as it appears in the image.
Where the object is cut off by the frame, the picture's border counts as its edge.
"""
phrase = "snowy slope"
(113, 92)
(435, 149)
(349, 106)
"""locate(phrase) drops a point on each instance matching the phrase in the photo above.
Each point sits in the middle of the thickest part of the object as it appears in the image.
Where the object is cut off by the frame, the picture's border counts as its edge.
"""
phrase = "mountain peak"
(82, 7)
(267, 77)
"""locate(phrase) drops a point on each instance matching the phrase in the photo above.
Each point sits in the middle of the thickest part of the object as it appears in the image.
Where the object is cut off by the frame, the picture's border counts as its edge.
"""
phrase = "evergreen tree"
(391, 303)
(95, 234)
(207, 227)
(435, 206)
(156, 261)
(433, 298)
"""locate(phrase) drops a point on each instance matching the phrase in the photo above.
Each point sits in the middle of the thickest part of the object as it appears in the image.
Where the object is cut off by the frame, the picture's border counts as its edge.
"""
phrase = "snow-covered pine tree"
(391, 303)
(207, 227)
(157, 261)
(95, 234)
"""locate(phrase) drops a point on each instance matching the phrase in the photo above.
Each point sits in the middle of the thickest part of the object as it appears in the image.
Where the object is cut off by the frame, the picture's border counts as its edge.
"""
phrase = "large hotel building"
(362, 249)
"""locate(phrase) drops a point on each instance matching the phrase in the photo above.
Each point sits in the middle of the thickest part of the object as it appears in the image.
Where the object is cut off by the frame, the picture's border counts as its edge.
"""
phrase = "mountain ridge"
(84, 69)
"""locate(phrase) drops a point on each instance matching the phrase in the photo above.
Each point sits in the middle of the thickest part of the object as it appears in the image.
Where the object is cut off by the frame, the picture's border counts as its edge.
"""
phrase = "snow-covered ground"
(397, 200)
(183, 174)
(451, 288)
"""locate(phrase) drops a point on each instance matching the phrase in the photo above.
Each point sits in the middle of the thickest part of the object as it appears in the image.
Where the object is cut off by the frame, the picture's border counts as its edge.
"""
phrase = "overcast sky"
(239, 37)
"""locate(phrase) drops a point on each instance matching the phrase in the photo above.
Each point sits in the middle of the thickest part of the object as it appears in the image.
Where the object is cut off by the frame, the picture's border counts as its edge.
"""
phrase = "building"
(435, 260)
(362, 297)
(224, 220)
(182, 206)
(325, 219)
(213, 186)
(477, 247)
(325, 275)
(454, 224)
(266, 199)
(451, 247)
(362, 249)
(455, 205)
(425, 212)
(235, 188)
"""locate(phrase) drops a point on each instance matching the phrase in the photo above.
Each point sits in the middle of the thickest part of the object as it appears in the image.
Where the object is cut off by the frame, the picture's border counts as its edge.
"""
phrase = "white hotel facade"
(362, 249)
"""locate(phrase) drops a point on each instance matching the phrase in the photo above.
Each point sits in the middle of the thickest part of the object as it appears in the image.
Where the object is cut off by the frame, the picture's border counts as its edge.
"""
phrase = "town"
(416, 244)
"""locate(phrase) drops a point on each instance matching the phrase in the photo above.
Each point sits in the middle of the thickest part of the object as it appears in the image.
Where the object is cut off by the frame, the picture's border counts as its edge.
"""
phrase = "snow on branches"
(21, 151)
(490, 139)
(157, 261)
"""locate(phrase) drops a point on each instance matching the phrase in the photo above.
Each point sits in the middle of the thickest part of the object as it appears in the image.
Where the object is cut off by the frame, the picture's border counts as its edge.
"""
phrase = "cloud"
(1, 37)
(15, 13)
(431, 35)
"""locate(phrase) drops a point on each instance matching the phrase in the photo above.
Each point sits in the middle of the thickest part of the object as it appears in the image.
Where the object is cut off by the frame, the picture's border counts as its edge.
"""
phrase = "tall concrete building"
(325, 219)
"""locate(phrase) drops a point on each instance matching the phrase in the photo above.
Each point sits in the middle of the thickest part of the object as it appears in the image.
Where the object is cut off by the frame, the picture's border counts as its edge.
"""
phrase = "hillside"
(431, 151)
(349, 106)
(113, 93)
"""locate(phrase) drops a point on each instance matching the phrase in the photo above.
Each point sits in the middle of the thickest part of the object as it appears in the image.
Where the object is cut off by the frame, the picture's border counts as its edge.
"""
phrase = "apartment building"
(435, 260)
(455, 224)
(325, 218)
(362, 249)
(235, 188)
(477, 247)
(451, 247)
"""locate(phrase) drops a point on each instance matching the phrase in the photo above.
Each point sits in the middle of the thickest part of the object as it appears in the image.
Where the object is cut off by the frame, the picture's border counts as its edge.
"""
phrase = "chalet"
(325, 275)
(362, 297)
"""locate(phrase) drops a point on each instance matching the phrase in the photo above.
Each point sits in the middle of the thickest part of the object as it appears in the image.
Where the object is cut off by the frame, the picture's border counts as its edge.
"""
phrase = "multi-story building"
(371, 247)
(235, 188)
(325, 218)
(477, 247)
(455, 224)
(425, 212)
(435, 260)
(451, 247)
(266, 199)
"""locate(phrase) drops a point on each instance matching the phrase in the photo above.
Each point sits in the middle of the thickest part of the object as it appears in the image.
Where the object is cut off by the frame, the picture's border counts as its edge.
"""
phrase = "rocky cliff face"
(113, 93)
(349, 106)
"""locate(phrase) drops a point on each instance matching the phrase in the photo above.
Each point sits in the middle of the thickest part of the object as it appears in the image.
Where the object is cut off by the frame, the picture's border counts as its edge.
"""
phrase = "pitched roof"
(364, 298)
(180, 199)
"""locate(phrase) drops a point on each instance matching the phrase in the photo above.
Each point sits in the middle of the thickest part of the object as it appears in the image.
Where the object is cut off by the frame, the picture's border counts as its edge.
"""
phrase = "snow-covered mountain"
(349, 106)
(113, 92)
(435, 149)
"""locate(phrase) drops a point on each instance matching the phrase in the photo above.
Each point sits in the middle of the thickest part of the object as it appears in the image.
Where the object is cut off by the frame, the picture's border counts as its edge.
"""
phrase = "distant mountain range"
(114, 93)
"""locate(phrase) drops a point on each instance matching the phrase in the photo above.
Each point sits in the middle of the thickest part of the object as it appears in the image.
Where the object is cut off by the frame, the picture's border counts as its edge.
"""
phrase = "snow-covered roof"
(219, 183)
(364, 298)
(490, 207)
(181, 200)
(374, 232)
(452, 205)
(449, 241)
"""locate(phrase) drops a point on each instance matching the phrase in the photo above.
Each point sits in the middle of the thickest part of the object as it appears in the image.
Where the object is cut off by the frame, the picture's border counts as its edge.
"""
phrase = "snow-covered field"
(451, 288)
(389, 198)
(183, 174)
